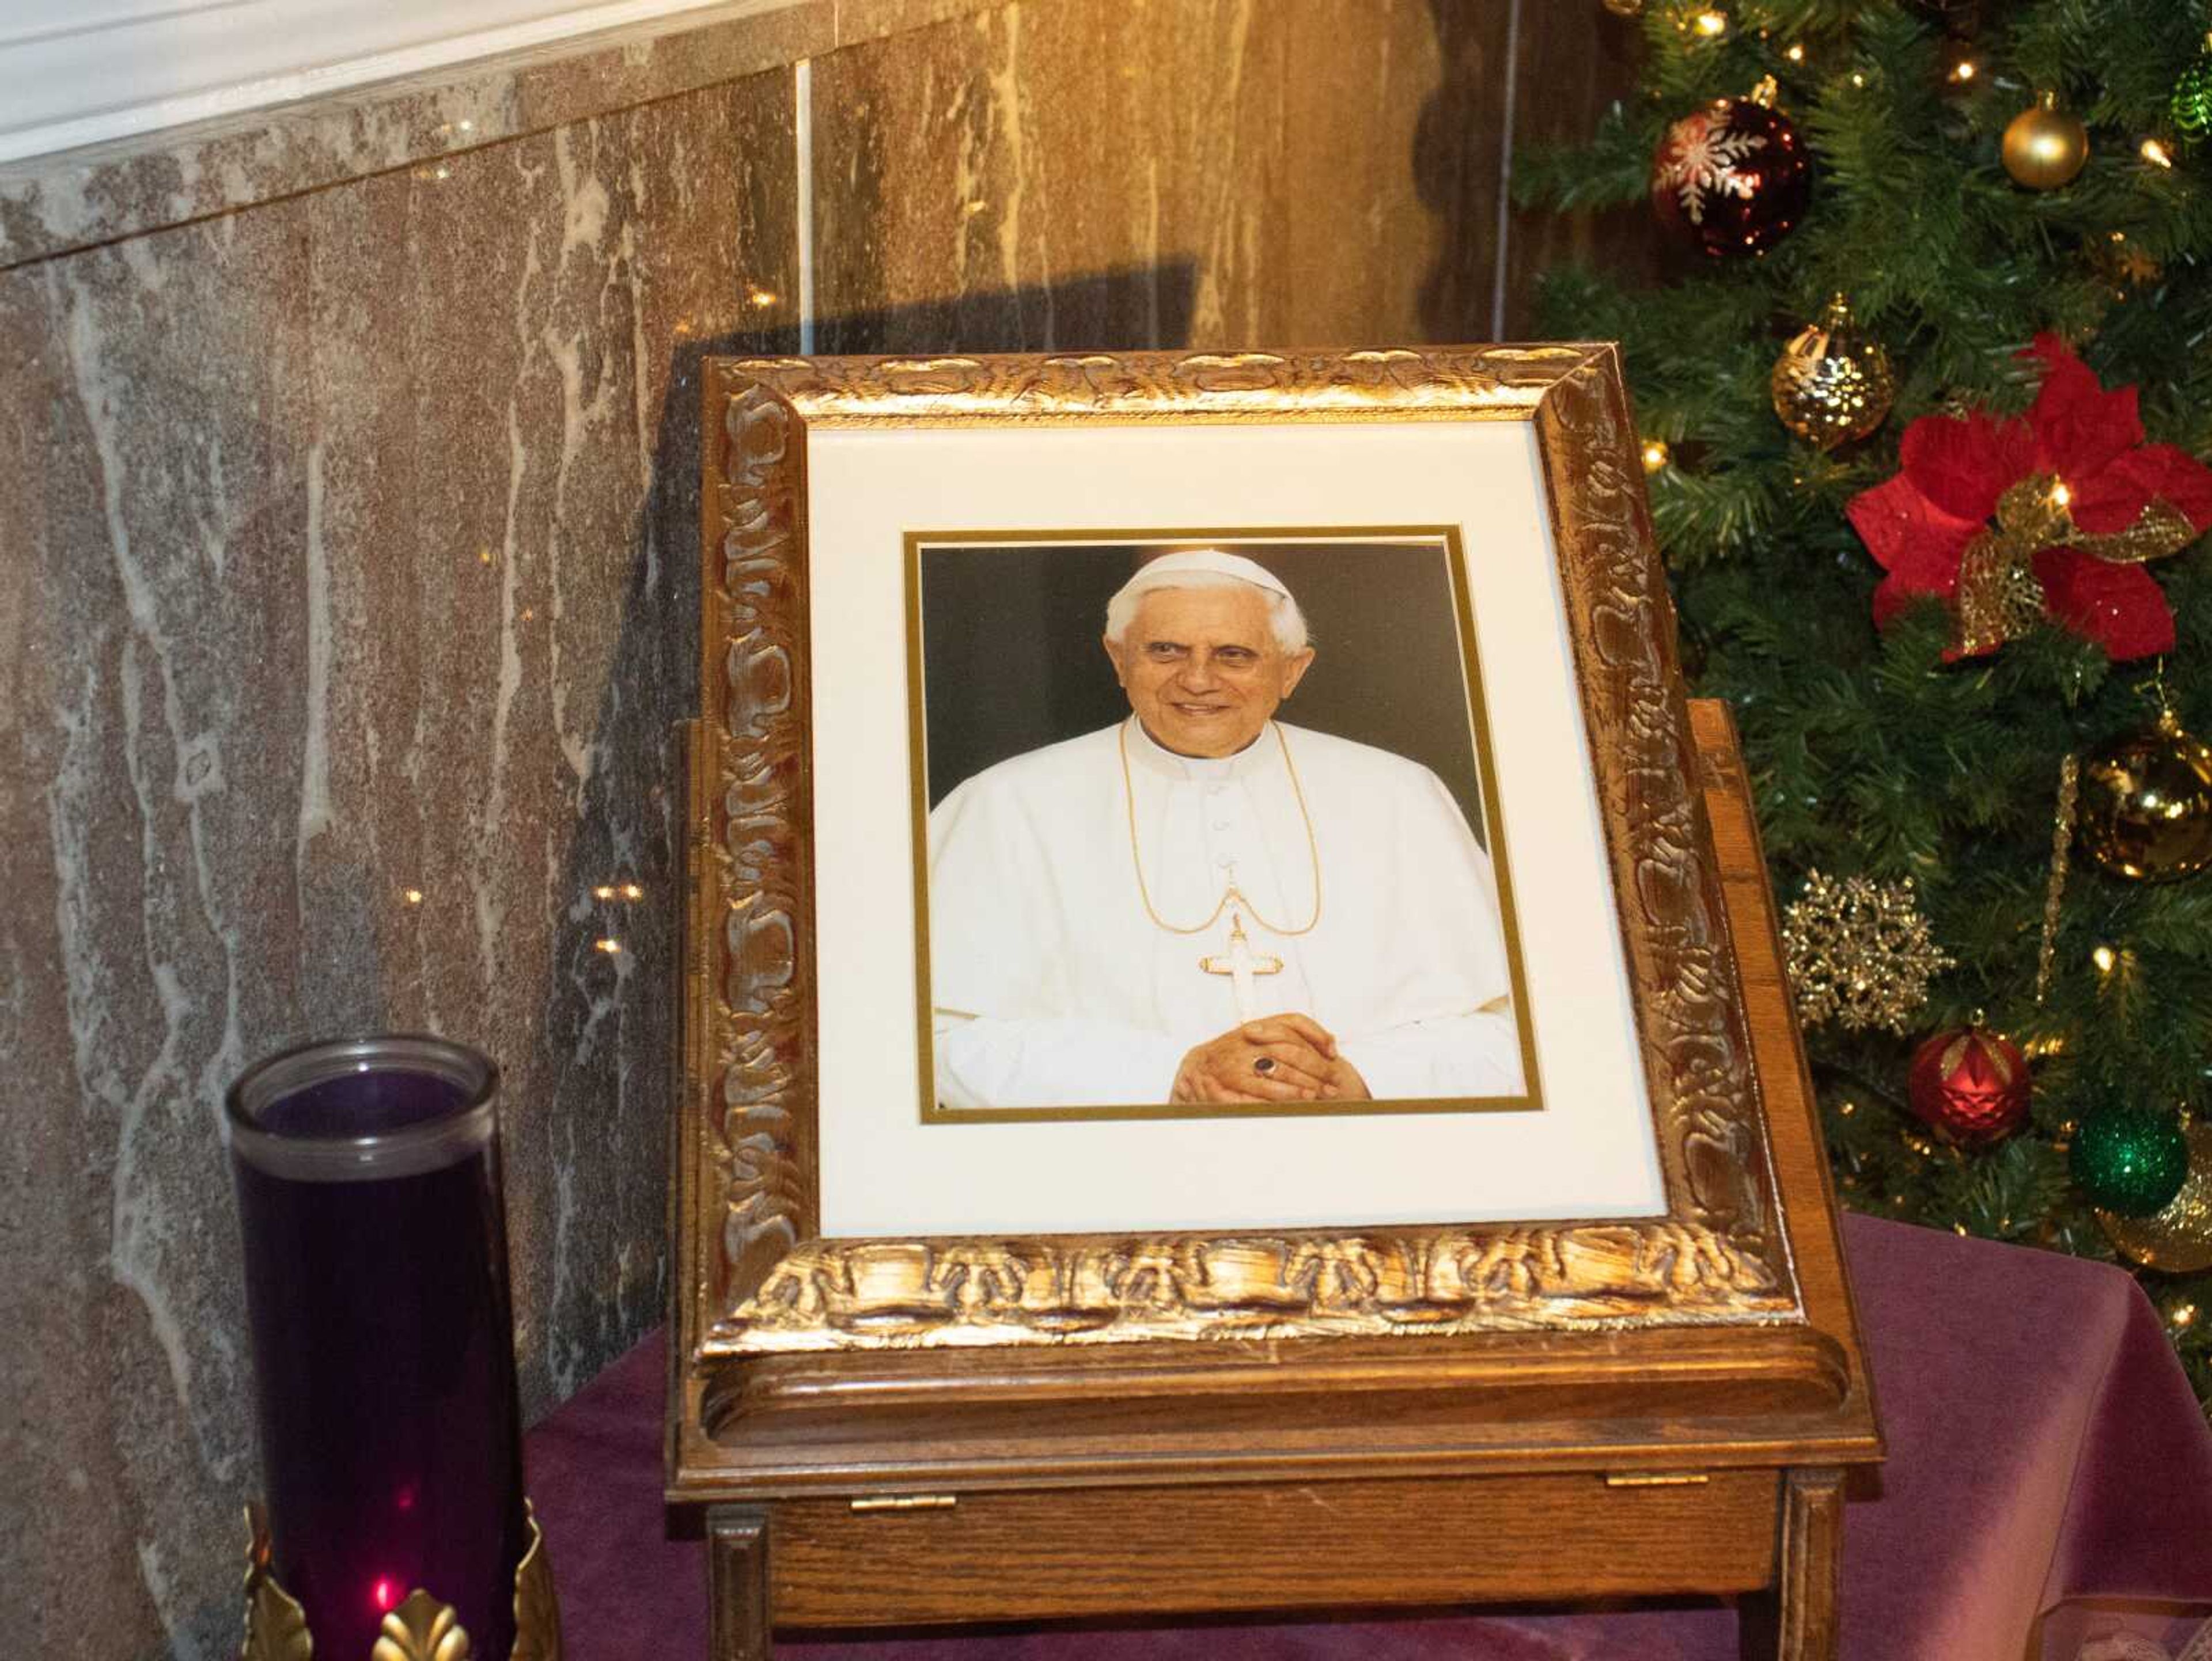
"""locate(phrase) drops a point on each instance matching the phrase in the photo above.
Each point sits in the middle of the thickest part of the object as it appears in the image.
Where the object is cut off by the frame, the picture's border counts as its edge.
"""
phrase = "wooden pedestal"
(855, 1490)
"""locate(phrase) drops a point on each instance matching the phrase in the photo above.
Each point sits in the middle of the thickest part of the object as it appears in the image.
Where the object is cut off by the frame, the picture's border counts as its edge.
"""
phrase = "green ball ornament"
(2190, 107)
(2129, 1160)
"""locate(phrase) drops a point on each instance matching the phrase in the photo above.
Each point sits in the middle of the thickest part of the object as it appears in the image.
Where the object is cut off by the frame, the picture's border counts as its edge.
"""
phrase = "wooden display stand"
(953, 1429)
(980, 1487)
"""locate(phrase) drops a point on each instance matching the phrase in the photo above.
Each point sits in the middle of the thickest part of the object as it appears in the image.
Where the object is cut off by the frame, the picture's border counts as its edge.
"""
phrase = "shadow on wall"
(1458, 144)
(1547, 79)
(1138, 309)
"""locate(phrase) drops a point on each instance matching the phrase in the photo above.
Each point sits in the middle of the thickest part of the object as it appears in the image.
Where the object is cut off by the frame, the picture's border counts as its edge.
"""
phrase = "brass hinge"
(907, 1502)
(1655, 1478)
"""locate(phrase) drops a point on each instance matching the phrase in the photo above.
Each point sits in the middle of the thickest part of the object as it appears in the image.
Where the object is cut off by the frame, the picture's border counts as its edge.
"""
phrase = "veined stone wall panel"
(1125, 172)
(351, 557)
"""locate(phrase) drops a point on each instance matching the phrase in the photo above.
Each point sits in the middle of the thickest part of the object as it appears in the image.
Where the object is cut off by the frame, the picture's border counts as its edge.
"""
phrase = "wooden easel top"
(1654, 1400)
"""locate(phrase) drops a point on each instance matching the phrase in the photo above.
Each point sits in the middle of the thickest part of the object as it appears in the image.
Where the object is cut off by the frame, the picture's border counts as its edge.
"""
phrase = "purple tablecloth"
(2044, 1447)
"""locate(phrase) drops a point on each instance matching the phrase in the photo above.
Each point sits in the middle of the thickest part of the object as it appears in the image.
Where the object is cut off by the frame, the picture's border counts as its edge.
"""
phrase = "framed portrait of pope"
(1206, 830)
(1174, 793)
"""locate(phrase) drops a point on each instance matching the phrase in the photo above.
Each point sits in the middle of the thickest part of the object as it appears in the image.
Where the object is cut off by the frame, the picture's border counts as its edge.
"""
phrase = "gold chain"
(1232, 893)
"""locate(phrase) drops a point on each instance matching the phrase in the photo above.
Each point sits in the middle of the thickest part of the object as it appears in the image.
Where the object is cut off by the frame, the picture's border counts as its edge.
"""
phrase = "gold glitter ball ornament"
(2146, 804)
(2044, 147)
(1859, 953)
(2177, 1239)
(1833, 383)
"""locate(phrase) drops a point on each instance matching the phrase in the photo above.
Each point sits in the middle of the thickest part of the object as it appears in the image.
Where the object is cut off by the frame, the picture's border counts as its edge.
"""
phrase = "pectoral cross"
(1241, 964)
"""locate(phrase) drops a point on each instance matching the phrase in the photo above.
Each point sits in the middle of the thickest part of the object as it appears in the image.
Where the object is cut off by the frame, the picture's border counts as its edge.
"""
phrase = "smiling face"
(1202, 667)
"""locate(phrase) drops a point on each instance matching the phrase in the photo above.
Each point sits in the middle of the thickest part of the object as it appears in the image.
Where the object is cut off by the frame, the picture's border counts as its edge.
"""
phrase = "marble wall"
(347, 544)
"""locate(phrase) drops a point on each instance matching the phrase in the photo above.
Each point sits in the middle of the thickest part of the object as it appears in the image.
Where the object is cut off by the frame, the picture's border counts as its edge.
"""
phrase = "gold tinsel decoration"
(1858, 952)
(2001, 598)
(2177, 1239)
(2054, 891)
(2126, 266)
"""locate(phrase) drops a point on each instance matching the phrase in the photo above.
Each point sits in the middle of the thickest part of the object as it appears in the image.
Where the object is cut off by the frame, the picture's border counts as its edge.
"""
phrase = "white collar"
(1151, 754)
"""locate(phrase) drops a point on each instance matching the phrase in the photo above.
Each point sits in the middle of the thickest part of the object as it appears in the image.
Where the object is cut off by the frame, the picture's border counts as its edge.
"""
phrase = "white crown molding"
(78, 72)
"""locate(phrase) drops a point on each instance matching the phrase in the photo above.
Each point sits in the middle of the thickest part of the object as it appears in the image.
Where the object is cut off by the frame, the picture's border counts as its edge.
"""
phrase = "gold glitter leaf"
(275, 1626)
(422, 1629)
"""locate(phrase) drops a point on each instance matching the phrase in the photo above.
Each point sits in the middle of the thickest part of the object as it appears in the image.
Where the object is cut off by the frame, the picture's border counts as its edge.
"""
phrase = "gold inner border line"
(932, 1113)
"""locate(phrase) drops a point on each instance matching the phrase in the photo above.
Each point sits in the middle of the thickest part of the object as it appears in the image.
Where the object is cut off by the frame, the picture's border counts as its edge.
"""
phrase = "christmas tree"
(1938, 547)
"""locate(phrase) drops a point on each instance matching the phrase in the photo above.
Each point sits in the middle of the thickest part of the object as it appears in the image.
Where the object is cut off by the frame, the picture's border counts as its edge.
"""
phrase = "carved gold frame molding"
(755, 1278)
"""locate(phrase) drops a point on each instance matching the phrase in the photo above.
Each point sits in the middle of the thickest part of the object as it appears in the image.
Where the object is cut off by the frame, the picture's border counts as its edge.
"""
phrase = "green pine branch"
(1873, 752)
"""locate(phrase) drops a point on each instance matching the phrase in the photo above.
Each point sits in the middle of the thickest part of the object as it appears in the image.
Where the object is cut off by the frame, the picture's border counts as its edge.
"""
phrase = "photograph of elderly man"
(1200, 904)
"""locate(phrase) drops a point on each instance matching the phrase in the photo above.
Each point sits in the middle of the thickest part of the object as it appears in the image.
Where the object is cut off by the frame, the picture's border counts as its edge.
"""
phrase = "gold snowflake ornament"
(1858, 953)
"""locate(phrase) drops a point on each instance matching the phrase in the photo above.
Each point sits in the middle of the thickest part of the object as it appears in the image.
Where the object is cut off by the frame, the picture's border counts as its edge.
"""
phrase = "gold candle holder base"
(420, 1629)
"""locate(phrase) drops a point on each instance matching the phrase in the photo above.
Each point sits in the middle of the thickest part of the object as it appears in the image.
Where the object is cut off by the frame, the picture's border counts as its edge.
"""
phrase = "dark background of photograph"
(1011, 657)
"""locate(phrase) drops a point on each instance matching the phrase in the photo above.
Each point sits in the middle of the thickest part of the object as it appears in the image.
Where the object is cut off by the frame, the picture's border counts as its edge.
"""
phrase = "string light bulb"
(1655, 454)
(2104, 957)
(1710, 24)
(2156, 154)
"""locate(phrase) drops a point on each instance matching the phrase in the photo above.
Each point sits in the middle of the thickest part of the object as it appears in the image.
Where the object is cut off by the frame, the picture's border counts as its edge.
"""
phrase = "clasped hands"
(1301, 1065)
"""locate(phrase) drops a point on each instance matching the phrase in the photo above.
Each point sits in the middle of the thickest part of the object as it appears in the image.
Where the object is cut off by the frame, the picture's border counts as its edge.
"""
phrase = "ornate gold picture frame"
(755, 1278)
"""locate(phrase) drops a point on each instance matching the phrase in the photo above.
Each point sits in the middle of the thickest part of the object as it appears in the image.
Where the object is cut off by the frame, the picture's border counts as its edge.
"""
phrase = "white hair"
(1285, 621)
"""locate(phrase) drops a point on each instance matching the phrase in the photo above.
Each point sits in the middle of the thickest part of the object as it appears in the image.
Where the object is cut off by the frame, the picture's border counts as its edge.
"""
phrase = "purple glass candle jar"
(368, 1196)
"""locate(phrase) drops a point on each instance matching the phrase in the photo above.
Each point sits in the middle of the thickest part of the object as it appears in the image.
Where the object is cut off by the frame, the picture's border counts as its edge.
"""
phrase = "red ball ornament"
(1970, 1086)
(1732, 179)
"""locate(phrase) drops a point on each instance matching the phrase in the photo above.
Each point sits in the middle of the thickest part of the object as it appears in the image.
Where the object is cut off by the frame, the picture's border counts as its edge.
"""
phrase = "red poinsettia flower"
(1920, 523)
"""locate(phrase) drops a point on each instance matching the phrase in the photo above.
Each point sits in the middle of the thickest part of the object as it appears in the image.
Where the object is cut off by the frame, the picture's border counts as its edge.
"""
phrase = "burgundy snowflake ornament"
(1733, 178)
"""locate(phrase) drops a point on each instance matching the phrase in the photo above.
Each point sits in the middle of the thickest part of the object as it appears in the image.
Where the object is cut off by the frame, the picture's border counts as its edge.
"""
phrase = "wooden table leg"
(737, 1583)
(1795, 1620)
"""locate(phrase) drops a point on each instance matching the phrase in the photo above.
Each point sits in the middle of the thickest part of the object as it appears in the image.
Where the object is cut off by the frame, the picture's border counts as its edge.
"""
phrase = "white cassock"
(1052, 986)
